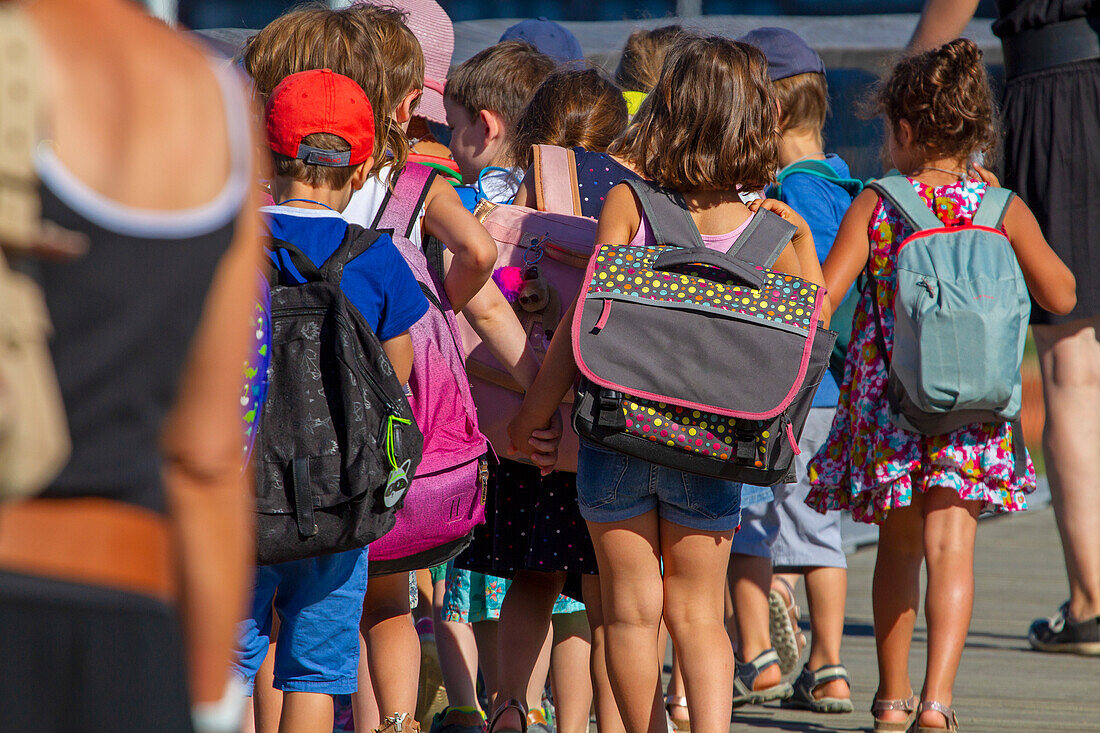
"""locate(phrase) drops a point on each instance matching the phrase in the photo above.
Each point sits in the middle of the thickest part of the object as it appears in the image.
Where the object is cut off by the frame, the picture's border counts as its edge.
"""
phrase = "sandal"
(787, 639)
(398, 723)
(809, 680)
(946, 712)
(888, 726)
(509, 705)
(677, 726)
(745, 676)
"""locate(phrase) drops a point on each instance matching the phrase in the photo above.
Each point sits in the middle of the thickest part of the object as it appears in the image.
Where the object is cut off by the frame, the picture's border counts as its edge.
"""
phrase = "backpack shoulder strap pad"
(399, 210)
(297, 257)
(993, 207)
(555, 171)
(667, 214)
(900, 193)
(356, 241)
(763, 239)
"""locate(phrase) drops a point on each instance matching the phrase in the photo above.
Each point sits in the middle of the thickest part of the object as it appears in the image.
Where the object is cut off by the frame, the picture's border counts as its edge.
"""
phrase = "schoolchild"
(708, 130)
(483, 98)
(924, 491)
(641, 61)
(785, 533)
(539, 538)
(323, 151)
(550, 38)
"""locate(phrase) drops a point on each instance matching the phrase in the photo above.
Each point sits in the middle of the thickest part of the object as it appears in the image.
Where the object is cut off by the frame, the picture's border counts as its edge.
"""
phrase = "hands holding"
(536, 439)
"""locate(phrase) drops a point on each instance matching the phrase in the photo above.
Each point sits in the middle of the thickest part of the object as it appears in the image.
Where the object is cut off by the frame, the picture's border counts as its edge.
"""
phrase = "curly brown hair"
(573, 107)
(711, 122)
(944, 94)
(314, 36)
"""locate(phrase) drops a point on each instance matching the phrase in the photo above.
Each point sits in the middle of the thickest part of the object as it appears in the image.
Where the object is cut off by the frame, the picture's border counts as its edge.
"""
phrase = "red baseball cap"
(320, 101)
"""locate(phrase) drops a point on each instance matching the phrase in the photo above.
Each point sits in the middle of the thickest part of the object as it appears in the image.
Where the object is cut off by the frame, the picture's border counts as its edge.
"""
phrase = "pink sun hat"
(433, 28)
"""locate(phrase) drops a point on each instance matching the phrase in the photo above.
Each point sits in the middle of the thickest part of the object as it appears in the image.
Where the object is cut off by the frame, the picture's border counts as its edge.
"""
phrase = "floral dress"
(869, 465)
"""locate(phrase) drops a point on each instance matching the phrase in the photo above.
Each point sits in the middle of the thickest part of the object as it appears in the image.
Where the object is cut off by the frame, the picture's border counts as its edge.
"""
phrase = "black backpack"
(337, 444)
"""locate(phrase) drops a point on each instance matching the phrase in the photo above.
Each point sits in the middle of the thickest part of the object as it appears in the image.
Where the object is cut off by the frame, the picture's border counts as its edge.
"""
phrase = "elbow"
(1063, 299)
(484, 257)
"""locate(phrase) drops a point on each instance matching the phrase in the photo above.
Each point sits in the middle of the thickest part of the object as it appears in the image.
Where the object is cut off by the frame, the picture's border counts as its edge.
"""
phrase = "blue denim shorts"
(320, 602)
(612, 487)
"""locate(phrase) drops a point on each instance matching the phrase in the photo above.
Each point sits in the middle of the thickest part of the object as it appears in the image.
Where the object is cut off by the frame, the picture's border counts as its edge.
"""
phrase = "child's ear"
(403, 113)
(903, 133)
(361, 174)
(494, 126)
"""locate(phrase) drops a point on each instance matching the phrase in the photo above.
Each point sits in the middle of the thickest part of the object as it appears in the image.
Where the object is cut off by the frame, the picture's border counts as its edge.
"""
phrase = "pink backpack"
(446, 499)
(542, 255)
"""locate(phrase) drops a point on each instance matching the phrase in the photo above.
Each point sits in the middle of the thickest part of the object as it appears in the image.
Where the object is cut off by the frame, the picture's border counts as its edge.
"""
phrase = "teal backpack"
(960, 318)
(841, 320)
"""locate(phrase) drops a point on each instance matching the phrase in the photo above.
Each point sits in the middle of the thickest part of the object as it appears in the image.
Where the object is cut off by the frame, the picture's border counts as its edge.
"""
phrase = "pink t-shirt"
(720, 242)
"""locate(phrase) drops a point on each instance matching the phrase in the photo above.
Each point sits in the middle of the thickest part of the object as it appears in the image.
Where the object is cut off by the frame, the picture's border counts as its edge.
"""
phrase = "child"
(550, 38)
(786, 533)
(484, 98)
(925, 492)
(708, 129)
(641, 61)
(320, 158)
(540, 539)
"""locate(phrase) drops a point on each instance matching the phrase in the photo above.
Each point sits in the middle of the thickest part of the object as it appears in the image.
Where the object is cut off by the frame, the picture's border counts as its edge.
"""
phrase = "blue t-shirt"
(822, 204)
(378, 282)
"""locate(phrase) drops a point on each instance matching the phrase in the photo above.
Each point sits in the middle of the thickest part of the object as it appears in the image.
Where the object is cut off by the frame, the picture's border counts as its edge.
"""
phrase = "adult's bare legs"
(950, 524)
(1069, 357)
(895, 594)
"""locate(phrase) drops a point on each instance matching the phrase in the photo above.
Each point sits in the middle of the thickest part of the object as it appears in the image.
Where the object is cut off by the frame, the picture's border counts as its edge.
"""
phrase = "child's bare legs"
(608, 719)
(536, 683)
(524, 625)
(267, 702)
(750, 579)
(895, 593)
(950, 524)
(632, 592)
(569, 674)
(457, 649)
(826, 589)
(485, 634)
(306, 712)
(364, 705)
(393, 648)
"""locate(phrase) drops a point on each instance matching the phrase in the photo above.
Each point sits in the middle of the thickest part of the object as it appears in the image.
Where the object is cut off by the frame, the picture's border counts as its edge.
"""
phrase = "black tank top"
(124, 315)
(1018, 15)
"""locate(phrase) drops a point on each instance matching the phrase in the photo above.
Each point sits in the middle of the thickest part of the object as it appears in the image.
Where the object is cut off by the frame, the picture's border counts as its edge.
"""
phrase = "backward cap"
(314, 101)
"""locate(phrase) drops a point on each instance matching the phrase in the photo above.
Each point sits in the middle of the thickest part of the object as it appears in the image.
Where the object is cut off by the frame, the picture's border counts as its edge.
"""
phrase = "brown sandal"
(888, 726)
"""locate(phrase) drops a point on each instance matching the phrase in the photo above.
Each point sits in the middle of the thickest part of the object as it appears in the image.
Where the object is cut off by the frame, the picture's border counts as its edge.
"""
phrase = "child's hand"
(538, 442)
(986, 175)
(778, 207)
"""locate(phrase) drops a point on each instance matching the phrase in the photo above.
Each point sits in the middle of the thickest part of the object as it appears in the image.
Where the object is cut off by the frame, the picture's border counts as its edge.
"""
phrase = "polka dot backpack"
(695, 359)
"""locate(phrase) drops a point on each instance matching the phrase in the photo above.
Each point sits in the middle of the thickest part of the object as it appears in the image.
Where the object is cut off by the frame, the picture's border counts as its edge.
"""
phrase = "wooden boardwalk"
(1002, 685)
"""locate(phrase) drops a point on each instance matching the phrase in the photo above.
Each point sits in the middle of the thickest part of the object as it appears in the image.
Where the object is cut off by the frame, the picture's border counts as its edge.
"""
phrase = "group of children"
(645, 548)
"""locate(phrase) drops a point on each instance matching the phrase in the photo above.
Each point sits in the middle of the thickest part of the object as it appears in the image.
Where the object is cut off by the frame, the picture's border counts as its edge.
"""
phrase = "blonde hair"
(710, 123)
(315, 36)
(402, 56)
(643, 56)
(803, 102)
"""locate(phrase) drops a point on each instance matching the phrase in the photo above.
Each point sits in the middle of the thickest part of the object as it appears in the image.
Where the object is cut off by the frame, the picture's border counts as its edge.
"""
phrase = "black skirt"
(532, 522)
(1052, 160)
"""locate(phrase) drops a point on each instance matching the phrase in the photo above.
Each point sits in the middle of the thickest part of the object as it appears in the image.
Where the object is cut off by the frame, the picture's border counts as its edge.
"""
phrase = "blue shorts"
(612, 487)
(320, 602)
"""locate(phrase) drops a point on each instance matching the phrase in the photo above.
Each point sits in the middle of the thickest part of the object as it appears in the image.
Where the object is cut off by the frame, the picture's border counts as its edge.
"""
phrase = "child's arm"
(1051, 283)
(799, 258)
(475, 253)
(400, 351)
(851, 249)
(525, 196)
(619, 220)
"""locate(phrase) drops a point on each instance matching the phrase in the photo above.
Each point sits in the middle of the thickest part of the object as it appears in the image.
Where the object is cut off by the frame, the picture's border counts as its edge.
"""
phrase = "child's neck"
(306, 196)
(797, 145)
(938, 171)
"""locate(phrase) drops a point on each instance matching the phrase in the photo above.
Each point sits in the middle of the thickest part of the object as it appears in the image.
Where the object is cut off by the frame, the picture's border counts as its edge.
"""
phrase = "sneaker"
(458, 720)
(398, 723)
(1059, 633)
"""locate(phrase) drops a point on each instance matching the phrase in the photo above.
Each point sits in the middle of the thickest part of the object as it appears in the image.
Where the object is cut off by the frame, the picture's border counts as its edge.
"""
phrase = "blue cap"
(552, 39)
(787, 53)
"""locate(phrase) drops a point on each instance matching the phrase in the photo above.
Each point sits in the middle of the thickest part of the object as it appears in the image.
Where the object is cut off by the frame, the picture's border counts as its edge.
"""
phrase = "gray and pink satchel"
(695, 359)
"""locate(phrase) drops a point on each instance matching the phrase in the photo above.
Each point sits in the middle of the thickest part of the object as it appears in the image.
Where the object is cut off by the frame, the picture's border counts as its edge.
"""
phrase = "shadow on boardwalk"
(1002, 685)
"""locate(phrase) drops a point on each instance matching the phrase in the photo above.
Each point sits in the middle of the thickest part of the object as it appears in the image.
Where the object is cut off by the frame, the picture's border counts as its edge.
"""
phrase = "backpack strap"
(405, 199)
(993, 207)
(556, 189)
(818, 169)
(900, 193)
(302, 263)
(356, 241)
(763, 239)
(667, 214)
